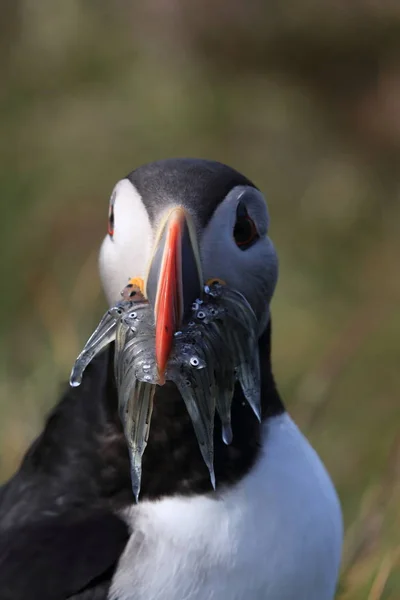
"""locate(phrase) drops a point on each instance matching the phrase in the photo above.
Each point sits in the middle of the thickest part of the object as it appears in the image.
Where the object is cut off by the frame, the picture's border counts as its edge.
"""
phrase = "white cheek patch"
(126, 254)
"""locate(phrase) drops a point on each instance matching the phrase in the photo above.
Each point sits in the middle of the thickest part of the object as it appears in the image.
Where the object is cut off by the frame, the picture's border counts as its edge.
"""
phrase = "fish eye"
(245, 231)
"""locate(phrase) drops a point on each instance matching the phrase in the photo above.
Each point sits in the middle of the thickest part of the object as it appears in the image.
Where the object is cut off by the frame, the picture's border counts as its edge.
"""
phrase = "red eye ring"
(110, 227)
(245, 232)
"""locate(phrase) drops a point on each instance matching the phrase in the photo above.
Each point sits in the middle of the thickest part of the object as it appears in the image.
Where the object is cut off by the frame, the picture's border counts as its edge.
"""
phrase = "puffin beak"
(174, 280)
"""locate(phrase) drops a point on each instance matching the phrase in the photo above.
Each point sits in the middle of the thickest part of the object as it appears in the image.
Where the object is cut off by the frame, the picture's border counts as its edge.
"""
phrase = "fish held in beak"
(202, 338)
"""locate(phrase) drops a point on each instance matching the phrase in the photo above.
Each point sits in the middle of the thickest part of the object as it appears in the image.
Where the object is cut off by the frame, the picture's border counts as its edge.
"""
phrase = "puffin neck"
(172, 462)
(271, 403)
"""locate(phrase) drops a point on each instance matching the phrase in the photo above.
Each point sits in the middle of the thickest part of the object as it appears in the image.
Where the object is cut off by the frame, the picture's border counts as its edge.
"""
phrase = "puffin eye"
(245, 232)
(110, 227)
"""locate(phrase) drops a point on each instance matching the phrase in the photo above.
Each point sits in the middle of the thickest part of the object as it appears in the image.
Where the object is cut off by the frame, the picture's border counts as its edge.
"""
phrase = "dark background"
(302, 96)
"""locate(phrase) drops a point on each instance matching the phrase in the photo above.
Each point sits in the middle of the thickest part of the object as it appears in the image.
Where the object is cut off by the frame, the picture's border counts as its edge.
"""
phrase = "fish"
(215, 348)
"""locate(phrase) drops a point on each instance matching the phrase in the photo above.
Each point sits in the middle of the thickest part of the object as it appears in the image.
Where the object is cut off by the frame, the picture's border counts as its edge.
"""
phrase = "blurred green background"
(303, 97)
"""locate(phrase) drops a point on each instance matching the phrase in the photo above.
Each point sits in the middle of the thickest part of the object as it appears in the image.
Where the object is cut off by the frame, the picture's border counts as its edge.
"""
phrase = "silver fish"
(222, 367)
(190, 375)
(240, 332)
(216, 348)
(103, 335)
(136, 416)
(135, 344)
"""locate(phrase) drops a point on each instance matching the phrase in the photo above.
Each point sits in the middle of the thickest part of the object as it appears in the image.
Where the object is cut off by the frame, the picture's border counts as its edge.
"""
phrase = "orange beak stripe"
(169, 300)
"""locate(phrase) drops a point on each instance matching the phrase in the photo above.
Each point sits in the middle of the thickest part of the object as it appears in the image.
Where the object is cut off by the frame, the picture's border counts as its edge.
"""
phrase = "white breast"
(276, 535)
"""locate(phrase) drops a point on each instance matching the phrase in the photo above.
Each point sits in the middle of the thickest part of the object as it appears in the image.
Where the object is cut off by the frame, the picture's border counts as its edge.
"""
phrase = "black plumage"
(61, 529)
(60, 533)
(198, 184)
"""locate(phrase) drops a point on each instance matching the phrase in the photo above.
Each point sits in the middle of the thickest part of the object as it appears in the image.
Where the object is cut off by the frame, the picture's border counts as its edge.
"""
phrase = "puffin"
(70, 526)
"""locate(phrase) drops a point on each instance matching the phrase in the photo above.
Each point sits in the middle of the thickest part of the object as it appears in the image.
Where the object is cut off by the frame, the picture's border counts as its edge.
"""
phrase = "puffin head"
(175, 225)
